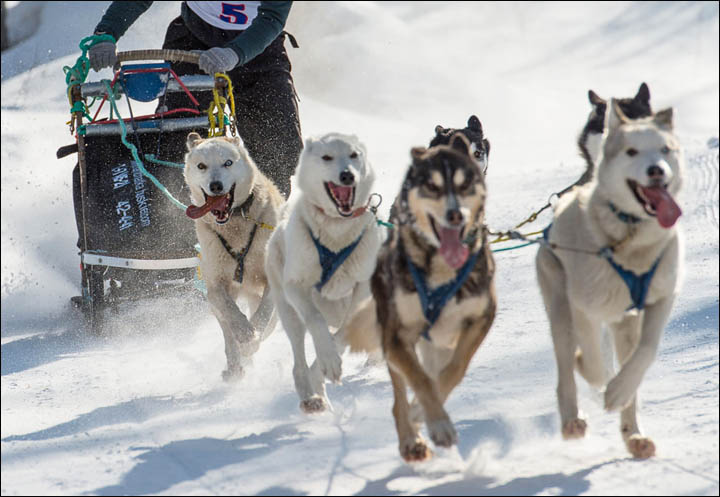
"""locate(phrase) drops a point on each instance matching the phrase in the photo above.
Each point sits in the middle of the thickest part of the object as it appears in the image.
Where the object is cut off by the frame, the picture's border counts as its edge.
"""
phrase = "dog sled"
(135, 241)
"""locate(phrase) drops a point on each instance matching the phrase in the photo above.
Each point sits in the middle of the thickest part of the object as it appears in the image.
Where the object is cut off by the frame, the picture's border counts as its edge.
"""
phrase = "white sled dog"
(321, 256)
(238, 206)
(627, 216)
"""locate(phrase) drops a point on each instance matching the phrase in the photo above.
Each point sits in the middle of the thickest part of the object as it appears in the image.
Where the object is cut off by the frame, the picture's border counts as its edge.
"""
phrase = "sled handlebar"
(159, 54)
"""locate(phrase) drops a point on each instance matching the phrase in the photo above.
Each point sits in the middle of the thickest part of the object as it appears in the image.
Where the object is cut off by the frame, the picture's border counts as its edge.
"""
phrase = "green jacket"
(247, 44)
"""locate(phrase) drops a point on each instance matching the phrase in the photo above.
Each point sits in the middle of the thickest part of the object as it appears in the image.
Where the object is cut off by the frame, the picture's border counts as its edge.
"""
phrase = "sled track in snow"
(702, 172)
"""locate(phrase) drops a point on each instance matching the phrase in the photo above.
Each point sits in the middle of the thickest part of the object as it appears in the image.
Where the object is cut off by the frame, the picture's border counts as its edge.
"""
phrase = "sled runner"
(129, 194)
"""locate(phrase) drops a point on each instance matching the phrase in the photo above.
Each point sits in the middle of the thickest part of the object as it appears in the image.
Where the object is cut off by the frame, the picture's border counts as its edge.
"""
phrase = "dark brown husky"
(433, 290)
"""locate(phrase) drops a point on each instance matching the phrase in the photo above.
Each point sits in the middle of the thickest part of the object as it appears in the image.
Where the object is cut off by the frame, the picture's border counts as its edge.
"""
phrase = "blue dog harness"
(433, 302)
(330, 261)
(638, 285)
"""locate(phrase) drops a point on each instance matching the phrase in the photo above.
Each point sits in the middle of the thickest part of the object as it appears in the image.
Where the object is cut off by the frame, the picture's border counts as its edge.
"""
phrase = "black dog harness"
(240, 255)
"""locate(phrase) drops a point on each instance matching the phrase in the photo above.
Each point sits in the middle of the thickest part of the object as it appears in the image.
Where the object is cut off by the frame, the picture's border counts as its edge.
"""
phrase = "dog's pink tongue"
(195, 212)
(452, 248)
(342, 193)
(667, 211)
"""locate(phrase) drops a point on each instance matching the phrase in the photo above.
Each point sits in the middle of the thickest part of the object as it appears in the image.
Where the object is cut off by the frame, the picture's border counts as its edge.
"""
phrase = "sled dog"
(614, 257)
(235, 207)
(479, 146)
(321, 256)
(433, 291)
(590, 140)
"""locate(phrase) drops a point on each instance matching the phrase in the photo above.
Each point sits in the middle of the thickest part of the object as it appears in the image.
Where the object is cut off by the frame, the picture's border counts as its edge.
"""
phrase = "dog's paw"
(233, 374)
(619, 394)
(415, 450)
(249, 348)
(313, 405)
(575, 428)
(640, 447)
(442, 432)
(329, 361)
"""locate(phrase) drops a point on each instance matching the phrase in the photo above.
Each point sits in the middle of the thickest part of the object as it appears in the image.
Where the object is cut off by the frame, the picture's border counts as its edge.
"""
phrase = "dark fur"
(473, 132)
(634, 108)
(392, 273)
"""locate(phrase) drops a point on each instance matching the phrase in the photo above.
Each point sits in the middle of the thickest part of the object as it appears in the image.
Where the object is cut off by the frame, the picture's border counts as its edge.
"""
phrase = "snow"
(144, 410)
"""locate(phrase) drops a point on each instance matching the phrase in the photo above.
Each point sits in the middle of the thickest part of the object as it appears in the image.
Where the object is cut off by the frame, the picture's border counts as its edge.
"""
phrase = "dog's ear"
(193, 140)
(439, 130)
(237, 141)
(309, 142)
(616, 117)
(475, 124)
(594, 98)
(487, 148)
(664, 119)
(417, 153)
(460, 143)
(643, 94)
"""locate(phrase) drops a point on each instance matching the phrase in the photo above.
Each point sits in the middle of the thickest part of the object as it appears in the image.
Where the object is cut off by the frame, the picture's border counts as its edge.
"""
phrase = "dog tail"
(362, 331)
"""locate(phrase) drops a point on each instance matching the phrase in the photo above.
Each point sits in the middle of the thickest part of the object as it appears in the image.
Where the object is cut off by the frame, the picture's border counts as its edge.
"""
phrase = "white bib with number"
(226, 15)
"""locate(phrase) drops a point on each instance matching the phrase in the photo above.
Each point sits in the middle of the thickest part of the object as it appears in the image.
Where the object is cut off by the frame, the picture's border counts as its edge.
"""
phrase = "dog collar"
(624, 216)
(242, 209)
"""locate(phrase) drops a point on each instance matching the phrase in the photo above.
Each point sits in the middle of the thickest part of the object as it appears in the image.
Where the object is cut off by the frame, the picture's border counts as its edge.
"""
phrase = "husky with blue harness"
(612, 256)
(433, 292)
(321, 256)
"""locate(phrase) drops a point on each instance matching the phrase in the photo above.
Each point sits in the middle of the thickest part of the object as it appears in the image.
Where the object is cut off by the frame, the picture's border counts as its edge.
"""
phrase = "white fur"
(293, 267)
(582, 291)
(242, 335)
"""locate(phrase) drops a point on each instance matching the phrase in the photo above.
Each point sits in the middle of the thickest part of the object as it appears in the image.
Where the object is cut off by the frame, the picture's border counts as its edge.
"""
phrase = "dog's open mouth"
(218, 205)
(342, 196)
(452, 248)
(657, 202)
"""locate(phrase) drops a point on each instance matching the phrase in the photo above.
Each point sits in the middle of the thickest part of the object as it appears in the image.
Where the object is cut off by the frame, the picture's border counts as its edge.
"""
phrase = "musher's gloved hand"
(102, 55)
(218, 60)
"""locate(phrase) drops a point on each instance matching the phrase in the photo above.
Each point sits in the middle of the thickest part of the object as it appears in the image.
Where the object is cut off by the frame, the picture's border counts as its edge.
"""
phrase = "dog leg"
(551, 279)
(240, 339)
(411, 444)
(404, 361)
(589, 358)
(470, 339)
(293, 325)
(325, 348)
(264, 318)
(627, 336)
(621, 389)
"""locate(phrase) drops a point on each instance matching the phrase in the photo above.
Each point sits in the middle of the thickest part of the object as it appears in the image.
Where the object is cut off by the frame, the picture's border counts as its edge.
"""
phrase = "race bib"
(226, 15)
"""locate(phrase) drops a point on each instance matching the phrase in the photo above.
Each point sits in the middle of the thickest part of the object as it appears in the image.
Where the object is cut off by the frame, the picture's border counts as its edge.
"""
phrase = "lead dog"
(237, 206)
(433, 290)
(320, 258)
(627, 215)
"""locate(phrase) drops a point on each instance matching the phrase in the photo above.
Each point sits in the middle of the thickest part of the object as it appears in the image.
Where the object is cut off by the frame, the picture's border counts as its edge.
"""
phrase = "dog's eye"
(665, 150)
(202, 166)
(432, 187)
(631, 152)
(327, 157)
(354, 155)
(477, 154)
(228, 163)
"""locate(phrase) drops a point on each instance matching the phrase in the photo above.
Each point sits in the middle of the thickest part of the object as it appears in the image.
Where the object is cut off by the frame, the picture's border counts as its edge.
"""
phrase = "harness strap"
(433, 302)
(238, 256)
(330, 261)
(638, 285)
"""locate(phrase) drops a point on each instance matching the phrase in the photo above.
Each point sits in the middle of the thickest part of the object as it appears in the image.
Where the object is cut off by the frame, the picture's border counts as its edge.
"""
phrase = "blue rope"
(133, 150)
